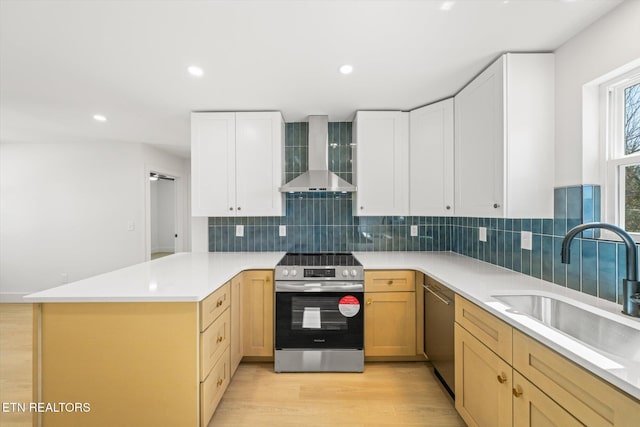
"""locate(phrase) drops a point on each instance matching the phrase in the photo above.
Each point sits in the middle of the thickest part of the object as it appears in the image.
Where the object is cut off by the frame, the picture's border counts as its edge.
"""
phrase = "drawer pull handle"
(219, 339)
(517, 393)
(502, 379)
(369, 302)
(219, 382)
(390, 282)
(219, 303)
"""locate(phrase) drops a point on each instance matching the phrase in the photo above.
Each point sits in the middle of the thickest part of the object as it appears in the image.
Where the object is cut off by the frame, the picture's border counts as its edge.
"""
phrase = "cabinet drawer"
(214, 305)
(213, 342)
(389, 281)
(212, 389)
(491, 331)
(591, 400)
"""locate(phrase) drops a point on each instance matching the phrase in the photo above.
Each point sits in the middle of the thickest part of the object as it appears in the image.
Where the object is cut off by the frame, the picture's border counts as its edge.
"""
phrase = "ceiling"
(61, 62)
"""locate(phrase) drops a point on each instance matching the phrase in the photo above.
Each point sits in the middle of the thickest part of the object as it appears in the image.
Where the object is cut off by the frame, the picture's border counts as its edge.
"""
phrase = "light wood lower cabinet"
(215, 324)
(535, 387)
(213, 387)
(483, 383)
(491, 331)
(236, 345)
(590, 399)
(213, 305)
(533, 408)
(213, 342)
(257, 313)
(389, 313)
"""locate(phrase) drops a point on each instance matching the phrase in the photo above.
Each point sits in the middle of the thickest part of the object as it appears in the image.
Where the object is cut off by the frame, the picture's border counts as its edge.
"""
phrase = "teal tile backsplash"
(319, 222)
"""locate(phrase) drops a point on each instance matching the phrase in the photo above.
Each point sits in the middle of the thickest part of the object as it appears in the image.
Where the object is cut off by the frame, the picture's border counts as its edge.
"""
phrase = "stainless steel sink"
(599, 332)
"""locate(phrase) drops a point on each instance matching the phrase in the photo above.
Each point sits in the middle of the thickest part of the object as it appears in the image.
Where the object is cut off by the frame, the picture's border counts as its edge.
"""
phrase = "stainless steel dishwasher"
(439, 316)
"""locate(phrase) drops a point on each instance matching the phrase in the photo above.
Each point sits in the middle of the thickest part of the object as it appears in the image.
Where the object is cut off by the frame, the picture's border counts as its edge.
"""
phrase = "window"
(623, 146)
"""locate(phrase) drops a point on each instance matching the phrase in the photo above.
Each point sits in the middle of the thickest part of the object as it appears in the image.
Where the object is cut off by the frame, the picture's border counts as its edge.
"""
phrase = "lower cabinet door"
(212, 389)
(257, 313)
(533, 408)
(390, 324)
(483, 383)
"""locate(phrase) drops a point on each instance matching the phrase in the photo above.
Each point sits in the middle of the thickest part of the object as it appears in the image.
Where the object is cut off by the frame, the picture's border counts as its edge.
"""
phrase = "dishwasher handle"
(431, 291)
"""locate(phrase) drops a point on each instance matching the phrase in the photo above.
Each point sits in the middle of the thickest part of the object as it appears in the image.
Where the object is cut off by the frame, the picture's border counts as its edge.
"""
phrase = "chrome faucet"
(630, 285)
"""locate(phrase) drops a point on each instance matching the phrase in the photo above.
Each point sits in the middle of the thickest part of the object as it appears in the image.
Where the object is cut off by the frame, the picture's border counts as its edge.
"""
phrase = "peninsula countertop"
(187, 277)
(180, 277)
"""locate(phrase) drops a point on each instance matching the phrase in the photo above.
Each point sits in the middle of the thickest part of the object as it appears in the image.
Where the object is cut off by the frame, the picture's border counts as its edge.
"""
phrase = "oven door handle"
(319, 287)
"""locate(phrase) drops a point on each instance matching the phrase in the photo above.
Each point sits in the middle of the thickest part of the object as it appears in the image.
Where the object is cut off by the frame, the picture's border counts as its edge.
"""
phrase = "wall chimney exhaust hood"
(318, 177)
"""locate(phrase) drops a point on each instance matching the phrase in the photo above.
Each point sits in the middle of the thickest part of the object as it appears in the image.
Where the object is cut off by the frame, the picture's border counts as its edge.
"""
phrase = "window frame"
(612, 92)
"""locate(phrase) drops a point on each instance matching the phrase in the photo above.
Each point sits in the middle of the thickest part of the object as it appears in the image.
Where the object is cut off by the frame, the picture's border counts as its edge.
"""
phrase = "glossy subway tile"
(325, 222)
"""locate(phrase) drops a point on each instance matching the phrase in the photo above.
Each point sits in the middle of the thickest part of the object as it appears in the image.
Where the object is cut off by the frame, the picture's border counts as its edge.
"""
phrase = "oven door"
(320, 320)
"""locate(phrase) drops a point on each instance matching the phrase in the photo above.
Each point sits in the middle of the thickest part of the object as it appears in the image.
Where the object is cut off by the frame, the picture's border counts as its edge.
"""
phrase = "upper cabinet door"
(380, 163)
(259, 172)
(213, 140)
(236, 164)
(479, 125)
(431, 160)
(504, 140)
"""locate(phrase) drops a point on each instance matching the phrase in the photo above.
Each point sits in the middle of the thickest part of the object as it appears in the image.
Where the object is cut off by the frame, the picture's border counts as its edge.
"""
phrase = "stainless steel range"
(319, 313)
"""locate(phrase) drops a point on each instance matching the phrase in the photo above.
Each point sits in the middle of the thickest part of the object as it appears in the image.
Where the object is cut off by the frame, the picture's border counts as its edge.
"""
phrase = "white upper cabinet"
(504, 136)
(431, 160)
(380, 163)
(236, 164)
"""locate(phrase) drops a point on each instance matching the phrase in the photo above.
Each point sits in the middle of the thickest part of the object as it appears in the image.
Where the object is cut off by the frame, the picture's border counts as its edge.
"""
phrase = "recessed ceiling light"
(447, 5)
(99, 117)
(346, 69)
(195, 71)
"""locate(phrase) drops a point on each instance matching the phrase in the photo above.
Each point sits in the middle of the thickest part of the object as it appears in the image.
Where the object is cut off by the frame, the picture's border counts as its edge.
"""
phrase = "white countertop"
(174, 278)
(477, 281)
(193, 276)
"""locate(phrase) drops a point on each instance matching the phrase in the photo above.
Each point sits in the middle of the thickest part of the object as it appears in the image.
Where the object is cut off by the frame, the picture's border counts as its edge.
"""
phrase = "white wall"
(66, 208)
(610, 43)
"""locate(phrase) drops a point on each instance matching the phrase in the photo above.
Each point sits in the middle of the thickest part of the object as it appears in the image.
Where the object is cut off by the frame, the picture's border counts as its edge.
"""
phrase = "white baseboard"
(13, 297)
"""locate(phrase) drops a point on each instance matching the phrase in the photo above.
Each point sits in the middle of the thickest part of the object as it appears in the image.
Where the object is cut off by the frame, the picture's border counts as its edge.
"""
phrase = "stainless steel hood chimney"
(318, 177)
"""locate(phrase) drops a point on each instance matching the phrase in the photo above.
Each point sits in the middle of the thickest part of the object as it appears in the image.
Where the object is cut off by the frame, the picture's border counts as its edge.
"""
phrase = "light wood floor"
(386, 394)
(16, 344)
(157, 255)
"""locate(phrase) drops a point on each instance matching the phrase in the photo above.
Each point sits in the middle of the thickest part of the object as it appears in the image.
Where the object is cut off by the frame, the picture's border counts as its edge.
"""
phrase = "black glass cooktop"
(326, 259)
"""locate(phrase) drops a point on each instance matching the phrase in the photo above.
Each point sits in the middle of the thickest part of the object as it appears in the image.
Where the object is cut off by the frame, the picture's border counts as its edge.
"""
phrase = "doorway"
(162, 215)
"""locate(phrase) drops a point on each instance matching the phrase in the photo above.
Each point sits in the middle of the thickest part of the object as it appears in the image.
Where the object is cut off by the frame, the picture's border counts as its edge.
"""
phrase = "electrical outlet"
(414, 230)
(131, 226)
(239, 230)
(65, 278)
(525, 240)
(482, 234)
(282, 230)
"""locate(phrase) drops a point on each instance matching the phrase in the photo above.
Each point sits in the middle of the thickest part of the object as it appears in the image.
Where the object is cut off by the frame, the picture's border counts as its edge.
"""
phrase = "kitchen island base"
(122, 361)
